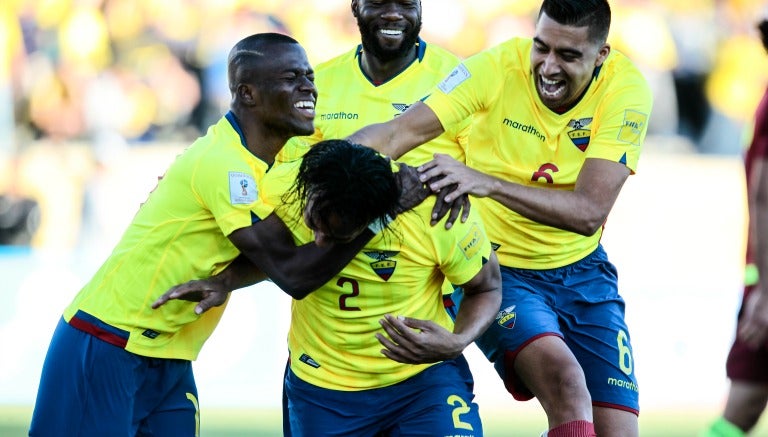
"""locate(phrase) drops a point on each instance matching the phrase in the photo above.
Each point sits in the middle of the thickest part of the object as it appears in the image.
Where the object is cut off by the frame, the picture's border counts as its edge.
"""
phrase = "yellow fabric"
(516, 138)
(179, 234)
(399, 272)
(348, 100)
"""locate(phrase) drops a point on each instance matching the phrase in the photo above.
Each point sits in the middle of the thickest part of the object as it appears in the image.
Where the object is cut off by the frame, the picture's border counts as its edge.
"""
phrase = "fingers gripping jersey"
(516, 138)
(179, 234)
(348, 100)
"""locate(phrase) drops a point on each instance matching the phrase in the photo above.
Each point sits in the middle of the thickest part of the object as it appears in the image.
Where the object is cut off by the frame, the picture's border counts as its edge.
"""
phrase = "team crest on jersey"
(242, 188)
(382, 265)
(506, 317)
(580, 134)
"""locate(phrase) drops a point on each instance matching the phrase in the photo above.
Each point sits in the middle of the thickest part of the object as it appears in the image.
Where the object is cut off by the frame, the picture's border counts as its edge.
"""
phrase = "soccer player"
(340, 381)
(747, 363)
(378, 79)
(558, 126)
(115, 366)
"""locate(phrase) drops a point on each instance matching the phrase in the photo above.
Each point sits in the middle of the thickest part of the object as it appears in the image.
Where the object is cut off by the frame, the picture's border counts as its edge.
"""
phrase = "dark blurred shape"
(19, 219)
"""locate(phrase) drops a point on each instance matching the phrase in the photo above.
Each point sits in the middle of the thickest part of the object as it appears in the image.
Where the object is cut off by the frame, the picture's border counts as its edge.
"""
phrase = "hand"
(754, 324)
(208, 293)
(414, 341)
(444, 171)
(412, 190)
(441, 208)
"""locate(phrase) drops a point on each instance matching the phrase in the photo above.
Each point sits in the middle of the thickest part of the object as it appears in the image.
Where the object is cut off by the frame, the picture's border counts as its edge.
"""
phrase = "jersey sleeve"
(622, 121)
(228, 189)
(462, 250)
(468, 89)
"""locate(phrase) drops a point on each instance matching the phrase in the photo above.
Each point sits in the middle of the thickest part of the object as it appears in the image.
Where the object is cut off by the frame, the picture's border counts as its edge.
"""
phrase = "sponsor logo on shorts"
(506, 317)
(629, 385)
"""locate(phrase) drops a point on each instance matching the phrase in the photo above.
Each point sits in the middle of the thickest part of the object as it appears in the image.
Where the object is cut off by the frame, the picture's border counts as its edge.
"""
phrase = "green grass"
(523, 421)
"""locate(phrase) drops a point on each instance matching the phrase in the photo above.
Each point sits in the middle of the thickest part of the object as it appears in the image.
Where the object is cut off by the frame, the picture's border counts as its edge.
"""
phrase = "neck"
(381, 71)
(263, 142)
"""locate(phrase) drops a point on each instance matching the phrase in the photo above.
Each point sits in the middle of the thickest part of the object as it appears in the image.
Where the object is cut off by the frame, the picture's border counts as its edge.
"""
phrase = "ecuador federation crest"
(580, 134)
(382, 265)
(506, 318)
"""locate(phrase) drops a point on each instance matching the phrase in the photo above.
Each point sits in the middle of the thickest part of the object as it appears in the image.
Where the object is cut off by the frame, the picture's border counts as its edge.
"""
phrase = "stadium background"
(98, 96)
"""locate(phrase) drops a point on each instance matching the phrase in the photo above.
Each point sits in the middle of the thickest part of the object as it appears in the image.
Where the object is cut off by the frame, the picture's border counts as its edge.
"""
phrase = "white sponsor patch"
(242, 188)
(457, 76)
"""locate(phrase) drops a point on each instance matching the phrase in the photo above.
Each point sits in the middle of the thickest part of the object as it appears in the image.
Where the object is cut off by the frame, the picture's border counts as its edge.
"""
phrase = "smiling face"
(388, 28)
(563, 61)
(285, 92)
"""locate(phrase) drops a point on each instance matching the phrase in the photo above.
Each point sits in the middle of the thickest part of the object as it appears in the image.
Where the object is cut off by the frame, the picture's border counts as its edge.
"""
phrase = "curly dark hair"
(352, 181)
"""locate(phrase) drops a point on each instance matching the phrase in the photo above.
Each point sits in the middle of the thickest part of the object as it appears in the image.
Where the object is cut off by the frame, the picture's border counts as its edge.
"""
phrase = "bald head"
(247, 56)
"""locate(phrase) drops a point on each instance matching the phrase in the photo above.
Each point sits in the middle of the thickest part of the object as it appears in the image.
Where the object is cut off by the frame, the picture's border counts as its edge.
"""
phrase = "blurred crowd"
(81, 81)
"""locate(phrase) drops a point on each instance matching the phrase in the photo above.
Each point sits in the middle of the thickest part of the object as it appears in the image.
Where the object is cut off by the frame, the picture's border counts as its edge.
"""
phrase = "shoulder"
(339, 61)
(620, 72)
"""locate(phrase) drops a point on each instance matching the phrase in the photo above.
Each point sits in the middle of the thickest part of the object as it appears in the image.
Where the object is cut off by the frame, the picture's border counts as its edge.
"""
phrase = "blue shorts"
(437, 401)
(90, 387)
(579, 303)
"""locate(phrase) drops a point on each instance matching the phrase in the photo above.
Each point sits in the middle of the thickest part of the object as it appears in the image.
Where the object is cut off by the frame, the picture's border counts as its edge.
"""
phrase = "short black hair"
(595, 14)
(350, 180)
(763, 28)
(249, 52)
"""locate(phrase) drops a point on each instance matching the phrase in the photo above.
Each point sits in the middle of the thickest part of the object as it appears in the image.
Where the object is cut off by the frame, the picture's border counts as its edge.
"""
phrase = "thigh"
(526, 313)
(592, 319)
(87, 387)
(438, 401)
(167, 401)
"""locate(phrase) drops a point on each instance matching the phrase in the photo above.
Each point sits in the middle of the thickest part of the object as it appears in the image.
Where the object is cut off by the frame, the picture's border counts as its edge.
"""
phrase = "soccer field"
(525, 421)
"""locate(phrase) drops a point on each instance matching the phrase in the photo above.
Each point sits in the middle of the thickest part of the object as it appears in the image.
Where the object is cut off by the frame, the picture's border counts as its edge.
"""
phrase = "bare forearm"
(567, 210)
(417, 125)
(299, 270)
(482, 298)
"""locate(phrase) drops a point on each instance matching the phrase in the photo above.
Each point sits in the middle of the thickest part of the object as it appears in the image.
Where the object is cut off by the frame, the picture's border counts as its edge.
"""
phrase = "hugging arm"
(415, 341)
(394, 138)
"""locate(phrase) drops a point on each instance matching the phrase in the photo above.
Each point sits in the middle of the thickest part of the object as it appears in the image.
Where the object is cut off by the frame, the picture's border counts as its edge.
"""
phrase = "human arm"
(417, 125)
(268, 249)
(415, 341)
(582, 210)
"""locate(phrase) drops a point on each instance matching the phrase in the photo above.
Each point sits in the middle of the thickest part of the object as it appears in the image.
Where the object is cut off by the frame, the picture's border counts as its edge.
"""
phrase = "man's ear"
(603, 53)
(246, 93)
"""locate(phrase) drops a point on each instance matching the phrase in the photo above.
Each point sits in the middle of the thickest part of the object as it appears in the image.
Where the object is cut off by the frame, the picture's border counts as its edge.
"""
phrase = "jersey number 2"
(344, 297)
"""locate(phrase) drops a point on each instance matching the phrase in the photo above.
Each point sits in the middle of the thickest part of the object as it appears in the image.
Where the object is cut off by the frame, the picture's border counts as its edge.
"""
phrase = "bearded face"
(388, 30)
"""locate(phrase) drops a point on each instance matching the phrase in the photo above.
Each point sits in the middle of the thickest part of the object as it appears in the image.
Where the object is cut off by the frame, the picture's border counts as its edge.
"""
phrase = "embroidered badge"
(382, 265)
(242, 188)
(457, 76)
(580, 134)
